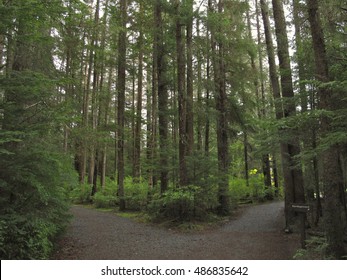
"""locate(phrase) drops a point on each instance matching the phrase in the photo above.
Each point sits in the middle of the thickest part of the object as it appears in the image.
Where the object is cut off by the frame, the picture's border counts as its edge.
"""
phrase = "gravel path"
(255, 234)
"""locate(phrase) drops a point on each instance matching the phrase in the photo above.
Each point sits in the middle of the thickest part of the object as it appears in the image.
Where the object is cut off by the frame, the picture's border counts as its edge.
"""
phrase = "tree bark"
(199, 94)
(121, 81)
(93, 156)
(260, 97)
(288, 97)
(182, 110)
(137, 138)
(190, 98)
(222, 122)
(288, 179)
(162, 97)
(331, 176)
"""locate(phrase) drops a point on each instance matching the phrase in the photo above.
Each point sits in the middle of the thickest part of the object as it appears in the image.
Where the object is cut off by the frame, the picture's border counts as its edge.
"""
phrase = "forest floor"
(256, 233)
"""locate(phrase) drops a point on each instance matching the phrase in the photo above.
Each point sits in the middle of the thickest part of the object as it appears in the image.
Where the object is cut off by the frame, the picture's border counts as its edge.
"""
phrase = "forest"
(180, 109)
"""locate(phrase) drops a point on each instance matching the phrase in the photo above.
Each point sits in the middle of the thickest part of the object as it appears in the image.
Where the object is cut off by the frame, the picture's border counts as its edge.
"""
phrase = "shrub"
(110, 188)
(81, 194)
(316, 249)
(184, 204)
(239, 190)
(104, 201)
(33, 204)
(23, 238)
(256, 191)
(135, 193)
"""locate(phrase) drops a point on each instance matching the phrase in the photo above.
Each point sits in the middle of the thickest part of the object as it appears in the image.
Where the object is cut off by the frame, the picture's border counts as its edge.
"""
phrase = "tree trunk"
(207, 99)
(137, 138)
(331, 175)
(181, 65)
(149, 127)
(162, 97)
(93, 157)
(105, 98)
(288, 96)
(260, 97)
(287, 178)
(199, 93)
(222, 122)
(121, 80)
(245, 153)
(292, 176)
(189, 103)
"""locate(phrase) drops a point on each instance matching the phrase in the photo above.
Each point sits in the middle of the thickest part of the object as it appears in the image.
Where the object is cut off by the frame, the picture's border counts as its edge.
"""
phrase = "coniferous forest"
(178, 109)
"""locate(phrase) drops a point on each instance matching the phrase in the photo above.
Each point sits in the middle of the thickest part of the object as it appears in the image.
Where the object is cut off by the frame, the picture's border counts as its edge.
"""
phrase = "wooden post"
(302, 209)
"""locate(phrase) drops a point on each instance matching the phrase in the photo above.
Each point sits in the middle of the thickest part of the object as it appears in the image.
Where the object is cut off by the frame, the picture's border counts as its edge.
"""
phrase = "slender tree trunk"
(149, 98)
(105, 97)
(175, 133)
(133, 117)
(93, 158)
(222, 122)
(208, 83)
(288, 96)
(121, 100)
(181, 65)
(199, 93)
(207, 100)
(287, 177)
(260, 97)
(88, 146)
(162, 97)
(275, 176)
(154, 105)
(189, 103)
(137, 138)
(331, 175)
(245, 152)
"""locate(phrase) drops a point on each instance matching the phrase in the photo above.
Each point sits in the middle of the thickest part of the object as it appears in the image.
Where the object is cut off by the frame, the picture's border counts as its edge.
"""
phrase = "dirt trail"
(255, 234)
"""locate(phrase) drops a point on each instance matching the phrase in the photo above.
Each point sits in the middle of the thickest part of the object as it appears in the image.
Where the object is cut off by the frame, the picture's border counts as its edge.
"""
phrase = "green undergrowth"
(316, 249)
(192, 207)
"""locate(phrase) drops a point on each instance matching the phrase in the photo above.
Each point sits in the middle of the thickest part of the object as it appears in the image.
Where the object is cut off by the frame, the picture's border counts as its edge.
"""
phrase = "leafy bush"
(81, 194)
(239, 190)
(256, 191)
(136, 193)
(110, 187)
(316, 249)
(33, 202)
(184, 204)
(23, 238)
(104, 201)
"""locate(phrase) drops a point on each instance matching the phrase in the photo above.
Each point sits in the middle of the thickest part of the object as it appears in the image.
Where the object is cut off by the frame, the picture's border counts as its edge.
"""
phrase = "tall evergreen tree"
(294, 189)
(331, 177)
(121, 87)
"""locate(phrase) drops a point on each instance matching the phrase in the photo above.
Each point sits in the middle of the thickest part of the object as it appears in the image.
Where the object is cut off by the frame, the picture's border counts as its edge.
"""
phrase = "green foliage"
(8, 137)
(23, 238)
(203, 169)
(80, 194)
(101, 200)
(33, 204)
(316, 248)
(239, 190)
(184, 204)
(136, 193)
(256, 191)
